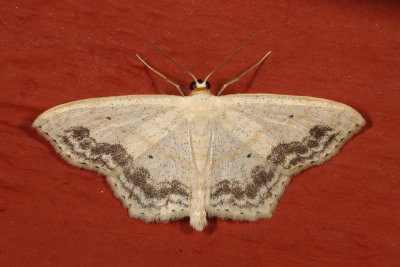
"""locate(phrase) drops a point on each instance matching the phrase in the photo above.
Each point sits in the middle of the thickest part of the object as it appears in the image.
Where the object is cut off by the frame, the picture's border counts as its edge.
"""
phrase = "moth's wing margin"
(140, 143)
(261, 141)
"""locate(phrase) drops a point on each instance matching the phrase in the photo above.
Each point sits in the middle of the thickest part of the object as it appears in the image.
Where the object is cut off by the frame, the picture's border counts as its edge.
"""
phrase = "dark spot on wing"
(106, 156)
(259, 179)
(79, 133)
(319, 131)
(291, 154)
(85, 144)
(298, 153)
(140, 177)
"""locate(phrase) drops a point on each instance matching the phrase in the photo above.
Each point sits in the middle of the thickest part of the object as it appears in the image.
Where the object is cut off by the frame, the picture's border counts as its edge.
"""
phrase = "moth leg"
(160, 74)
(237, 78)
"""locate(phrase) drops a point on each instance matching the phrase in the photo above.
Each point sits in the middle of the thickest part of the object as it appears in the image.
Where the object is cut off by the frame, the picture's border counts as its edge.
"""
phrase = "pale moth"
(167, 157)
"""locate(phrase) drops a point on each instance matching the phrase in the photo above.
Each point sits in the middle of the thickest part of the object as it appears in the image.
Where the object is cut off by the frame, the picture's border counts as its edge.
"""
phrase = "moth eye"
(193, 84)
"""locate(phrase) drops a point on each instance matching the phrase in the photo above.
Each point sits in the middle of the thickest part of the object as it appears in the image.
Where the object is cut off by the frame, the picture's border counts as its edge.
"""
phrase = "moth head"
(199, 84)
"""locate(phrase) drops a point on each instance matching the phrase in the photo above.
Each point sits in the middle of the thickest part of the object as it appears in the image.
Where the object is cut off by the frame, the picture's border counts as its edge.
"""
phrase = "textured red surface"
(344, 213)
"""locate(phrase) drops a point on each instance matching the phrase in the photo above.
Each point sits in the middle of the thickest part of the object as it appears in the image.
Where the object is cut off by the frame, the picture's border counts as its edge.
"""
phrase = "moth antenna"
(160, 74)
(234, 54)
(237, 78)
(168, 56)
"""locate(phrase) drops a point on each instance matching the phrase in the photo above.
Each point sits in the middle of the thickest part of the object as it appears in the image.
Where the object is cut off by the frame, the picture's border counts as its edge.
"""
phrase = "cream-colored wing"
(260, 141)
(140, 143)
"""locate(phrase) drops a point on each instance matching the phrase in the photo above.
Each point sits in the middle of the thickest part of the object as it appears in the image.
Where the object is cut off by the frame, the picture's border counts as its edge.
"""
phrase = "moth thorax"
(201, 91)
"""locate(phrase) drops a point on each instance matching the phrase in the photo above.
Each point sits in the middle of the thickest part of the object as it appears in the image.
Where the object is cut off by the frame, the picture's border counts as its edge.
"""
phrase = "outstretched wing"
(140, 143)
(260, 141)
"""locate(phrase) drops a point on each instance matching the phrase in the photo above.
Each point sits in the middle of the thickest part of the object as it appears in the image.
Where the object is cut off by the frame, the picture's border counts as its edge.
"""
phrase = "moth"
(167, 157)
